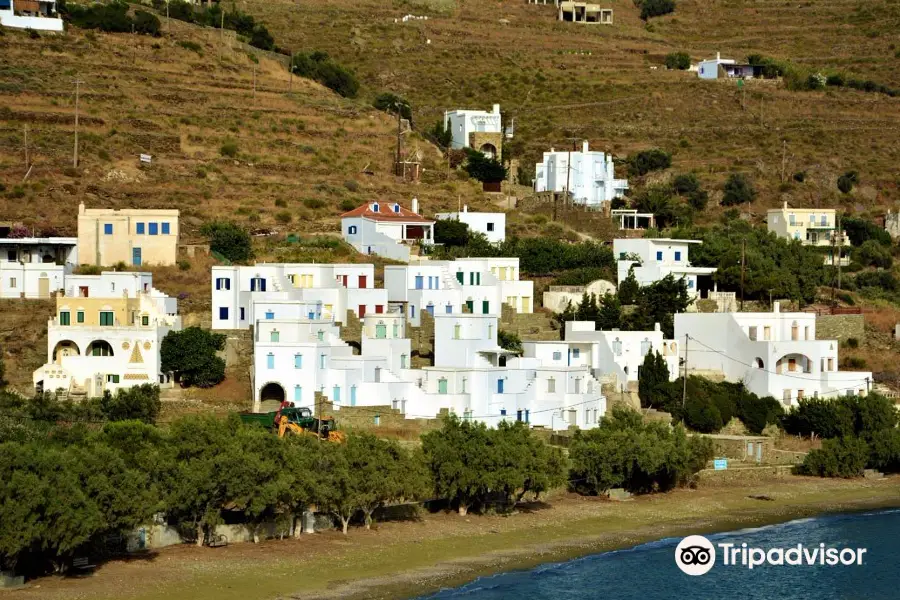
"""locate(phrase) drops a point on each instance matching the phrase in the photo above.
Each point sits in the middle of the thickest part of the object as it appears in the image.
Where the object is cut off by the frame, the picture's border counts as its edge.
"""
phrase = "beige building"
(132, 236)
(811, 227)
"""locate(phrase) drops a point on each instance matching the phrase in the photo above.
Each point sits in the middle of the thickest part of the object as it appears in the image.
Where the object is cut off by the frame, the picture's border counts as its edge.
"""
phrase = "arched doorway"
(489, 151)
(99, 348)
(64, 348)
(759, 363)
(271, 396)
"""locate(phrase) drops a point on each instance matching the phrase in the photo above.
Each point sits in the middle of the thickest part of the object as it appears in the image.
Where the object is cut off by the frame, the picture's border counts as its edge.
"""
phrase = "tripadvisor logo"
(696, 555)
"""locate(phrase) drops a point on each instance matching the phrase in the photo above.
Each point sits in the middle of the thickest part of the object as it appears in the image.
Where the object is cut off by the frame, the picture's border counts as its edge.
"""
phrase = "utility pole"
(743, 263)
(26, 149)
(397, 167)
(291, 71)
(78, 83)
(254, 78)
(684, 387)
(133, 46)
(783, 158)
(840, 235)
(168, 23)
(833, 248)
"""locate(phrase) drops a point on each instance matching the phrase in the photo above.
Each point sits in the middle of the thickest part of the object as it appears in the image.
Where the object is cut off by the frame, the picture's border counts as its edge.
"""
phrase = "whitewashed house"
(386, 229)
(492, 225)
(477, 129)
(34, 267)
(40, 250)
(725, 68)
(588, 176)
(39, 15)
(654, 259)
(106, 335)
(471, 285)
(325, 291)
(773, 354)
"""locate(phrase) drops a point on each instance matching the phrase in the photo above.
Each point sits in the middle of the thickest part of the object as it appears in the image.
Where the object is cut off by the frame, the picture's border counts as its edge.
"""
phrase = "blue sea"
(649, 572)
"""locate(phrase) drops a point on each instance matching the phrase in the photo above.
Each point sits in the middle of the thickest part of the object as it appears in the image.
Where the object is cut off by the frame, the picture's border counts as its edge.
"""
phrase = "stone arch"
(489, 150)
(271, 396)
(99, 348)
(65, 348)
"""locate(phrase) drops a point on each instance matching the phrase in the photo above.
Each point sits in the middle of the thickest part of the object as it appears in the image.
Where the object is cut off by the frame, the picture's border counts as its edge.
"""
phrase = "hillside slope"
(298, 156)
(563, 80)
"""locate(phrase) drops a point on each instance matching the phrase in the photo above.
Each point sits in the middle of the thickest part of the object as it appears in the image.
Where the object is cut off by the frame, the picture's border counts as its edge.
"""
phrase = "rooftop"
(387, 211)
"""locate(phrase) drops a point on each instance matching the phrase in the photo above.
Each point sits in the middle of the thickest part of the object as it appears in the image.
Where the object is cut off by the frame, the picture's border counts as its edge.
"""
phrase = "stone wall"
(478, 138)
(422, 341)
(840, 327)
(351, 330)
(364, 418)
(743, 475)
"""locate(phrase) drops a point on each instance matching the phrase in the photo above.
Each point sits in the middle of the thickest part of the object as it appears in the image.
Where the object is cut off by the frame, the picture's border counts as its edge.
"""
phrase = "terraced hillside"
(271, 154)
(607, 83)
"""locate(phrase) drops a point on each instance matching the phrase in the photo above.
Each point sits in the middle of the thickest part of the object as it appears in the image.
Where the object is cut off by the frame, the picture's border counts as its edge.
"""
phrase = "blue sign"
(720, 464)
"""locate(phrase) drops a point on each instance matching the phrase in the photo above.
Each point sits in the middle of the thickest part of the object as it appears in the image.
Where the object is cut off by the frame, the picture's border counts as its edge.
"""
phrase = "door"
(759, 452)
(442, 386)
(485, 307)
(459, 276)
(380, 331)
(420, 282)
(43, 287)
(362, 281)
(379, 309)
(136, 257)
(526, 304)
(470, 305)
(353, 395)
(499, 386)
(362, 311)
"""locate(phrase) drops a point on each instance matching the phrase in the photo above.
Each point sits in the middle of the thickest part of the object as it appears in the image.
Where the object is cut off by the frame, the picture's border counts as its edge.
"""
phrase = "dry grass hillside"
(564, 80)
(298, 156)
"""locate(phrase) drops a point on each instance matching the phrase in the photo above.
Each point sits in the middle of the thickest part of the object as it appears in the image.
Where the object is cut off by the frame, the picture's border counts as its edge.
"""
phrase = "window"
(396, 330)
(270, 315)
(139, 229)
(659, 255)
(677, 255)
(576, 353)
(223, 283)
(351, 230)
(336, 394)
(112, 379)
(752, 333)
(617, 347)
(396, 208)
(274, 336)
(223, 312)
(11, 255)
(107, 229)
(270, 361)
(145, 320)
(402, 361)
(448, 309)
(622, 255)
(557, 356)
(375, 207)
(154, 228)
(165, 228)
(107, 318)
(767, 333)
(298, 393)
(490, 226)
(243, 317)
(831, 364)
(79, 316)
(442, 385)
(12, 282)
(298, 361)
(64, 317)
(322, 358)
(321, 335)
(690, 284)
(551, 386)
(456, 331)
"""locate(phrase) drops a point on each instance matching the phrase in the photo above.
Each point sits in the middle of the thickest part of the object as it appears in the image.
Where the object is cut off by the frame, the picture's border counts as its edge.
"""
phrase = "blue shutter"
(165, 229)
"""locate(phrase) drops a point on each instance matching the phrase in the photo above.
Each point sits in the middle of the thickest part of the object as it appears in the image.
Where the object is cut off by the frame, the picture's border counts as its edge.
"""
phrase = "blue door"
(136, 257)
(419, 282)
(499, 386)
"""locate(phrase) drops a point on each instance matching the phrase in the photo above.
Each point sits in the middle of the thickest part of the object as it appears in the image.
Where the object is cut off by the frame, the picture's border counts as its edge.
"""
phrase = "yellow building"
(132, 236)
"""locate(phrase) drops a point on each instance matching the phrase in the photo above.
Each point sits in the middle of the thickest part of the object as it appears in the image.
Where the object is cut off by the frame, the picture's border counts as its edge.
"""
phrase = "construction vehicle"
(289, 419)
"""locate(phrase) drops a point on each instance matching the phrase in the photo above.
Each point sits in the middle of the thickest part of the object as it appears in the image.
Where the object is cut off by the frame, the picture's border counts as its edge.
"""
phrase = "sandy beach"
(407, 559)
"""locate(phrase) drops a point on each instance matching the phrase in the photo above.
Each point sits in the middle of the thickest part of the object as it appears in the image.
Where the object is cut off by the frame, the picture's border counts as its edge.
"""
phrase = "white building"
(39, 15)
(31, 280)
(558, 297)
(386, 229)
(106, 335)
(613, 357)
(811, 227)
(471, 285)
(589, 177)
(725, 68)
(773, 354)
(654, 259)
(477, 129)
(283, 290)
(44, 250)
(492, 225)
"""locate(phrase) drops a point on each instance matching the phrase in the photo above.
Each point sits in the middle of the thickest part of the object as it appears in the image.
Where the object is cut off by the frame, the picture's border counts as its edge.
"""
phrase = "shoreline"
(426, 582)
(409, 559)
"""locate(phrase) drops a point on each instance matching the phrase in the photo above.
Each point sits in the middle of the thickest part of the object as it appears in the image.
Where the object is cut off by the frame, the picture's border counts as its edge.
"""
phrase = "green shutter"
(459, 276)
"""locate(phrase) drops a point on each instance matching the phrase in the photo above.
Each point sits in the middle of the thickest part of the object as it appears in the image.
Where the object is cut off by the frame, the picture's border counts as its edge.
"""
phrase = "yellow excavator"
(295, 421)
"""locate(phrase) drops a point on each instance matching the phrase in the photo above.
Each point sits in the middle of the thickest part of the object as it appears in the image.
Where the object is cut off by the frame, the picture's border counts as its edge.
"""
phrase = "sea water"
(649, 571)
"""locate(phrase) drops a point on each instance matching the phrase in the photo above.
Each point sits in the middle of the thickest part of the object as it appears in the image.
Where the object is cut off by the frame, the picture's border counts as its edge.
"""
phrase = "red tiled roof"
(386, 213)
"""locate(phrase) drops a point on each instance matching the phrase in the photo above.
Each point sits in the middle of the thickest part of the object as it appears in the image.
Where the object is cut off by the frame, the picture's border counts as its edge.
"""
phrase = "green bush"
(646, 161)
(284, 217)
(191, 355)
(146, 23)
(390, 103)
(861, 230)
(229, 149)
(884, 449)
(112, 17)
(873, 254)
(509, 341)
(140, 403)
(229, 240)
(262, 39)
(841, 457)
(846, 181)
(451, 232)
(192, 46)
(313, 203)
(738, 190)
(656, 8)
(678, 61)
(439, 135)
(319, 67)
(347, 205)
(484, 169)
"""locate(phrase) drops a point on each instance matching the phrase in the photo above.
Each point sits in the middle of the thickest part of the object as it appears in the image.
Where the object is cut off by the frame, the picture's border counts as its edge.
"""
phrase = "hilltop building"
(134, 237)
(584, 12)
(654, 259)
(387, 229)
(39, 15)
(811, 227)
(492, 225)
(589, 178)
(726, 68)
(477, 129)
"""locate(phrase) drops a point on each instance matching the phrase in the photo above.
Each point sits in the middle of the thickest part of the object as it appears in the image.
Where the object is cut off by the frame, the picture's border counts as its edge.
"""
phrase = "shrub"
(189, 45)
(484, 169)
(846, 181)
(347, 205)
(351, 186)
(184, 265)
(884, 447)
(313, 203)
(656, 8)
(738, 190)
(873, 254)
(860, 230)
(140, 403)
(389, 102)
(281, 203)
(842, 457)
(33, 34)
(229, 149)
(319, 67)
(509, 341)
(852, 343)
(800, 176)
(451, 232)
(284, 217)
(112, 17)
(229, 240)
(686, 183)
(825, 418)
(649, 160)
(439, 135)
(836, 80)
(678, 60)
(262, 39)
(146, 23)
(191, 355)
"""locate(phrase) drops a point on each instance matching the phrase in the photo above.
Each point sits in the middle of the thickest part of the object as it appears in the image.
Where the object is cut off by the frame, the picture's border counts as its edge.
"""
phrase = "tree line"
(68, 483)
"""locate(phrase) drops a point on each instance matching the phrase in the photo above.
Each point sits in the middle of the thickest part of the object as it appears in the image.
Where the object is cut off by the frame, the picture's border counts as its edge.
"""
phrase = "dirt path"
(408, 558)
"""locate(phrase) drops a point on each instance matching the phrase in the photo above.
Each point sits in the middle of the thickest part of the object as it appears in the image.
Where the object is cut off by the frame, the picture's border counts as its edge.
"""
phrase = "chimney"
(718, 56)
(785, 204)
(551, 150)
(415, 205)
(584, 146)
(81, 208)
(776, 307)
(496, 110)
(465, 208)
(656, 327)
